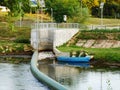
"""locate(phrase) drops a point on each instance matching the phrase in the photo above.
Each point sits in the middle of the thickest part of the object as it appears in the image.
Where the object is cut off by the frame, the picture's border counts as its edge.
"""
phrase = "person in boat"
(74, 54)
(83, 54)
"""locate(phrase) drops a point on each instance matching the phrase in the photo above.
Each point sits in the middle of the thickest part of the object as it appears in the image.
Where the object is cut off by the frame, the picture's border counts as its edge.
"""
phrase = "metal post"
(101, 16)
(101, 81)
(81, 7)
(41, 4)
(119, 27)
(20, 4)
(101, 7)
(41, 14)
(37, 30)
(51, 15)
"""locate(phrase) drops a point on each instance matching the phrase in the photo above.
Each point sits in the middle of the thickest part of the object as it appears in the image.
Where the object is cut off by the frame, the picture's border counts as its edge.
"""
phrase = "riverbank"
(104, 64)
(106, 54)
(16, 57)
(99, 61)
(104, 45)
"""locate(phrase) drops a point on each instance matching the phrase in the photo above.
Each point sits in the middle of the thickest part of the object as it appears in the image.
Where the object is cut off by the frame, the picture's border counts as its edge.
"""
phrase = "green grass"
(107, 54)
(99, 34)
(13, 41)
(15, 32)
(97, 21)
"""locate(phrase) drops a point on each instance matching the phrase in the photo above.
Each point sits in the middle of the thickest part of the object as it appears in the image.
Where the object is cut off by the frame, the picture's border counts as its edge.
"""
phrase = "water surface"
(18, 77)
(81, 77)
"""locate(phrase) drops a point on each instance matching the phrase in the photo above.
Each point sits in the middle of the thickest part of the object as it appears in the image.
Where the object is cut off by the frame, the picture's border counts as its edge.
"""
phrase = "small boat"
(74, 59)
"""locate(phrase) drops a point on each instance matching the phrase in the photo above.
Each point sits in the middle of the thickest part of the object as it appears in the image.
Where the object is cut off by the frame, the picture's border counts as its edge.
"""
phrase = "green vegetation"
(95, 35)
(76, 10)
(99, 34)
(15, 60)
(15, 33)
(71, 8)
(107, 54)
(8, 47)
(97, 21)
(14, 40)
(15, 7)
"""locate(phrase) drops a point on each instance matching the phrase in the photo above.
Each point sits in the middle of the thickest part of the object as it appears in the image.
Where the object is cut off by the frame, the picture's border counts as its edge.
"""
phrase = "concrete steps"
(98, 43)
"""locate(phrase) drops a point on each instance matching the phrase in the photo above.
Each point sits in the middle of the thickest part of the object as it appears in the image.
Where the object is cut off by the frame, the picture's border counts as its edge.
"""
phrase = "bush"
(22, 40)
(92, 35)
(99, 34)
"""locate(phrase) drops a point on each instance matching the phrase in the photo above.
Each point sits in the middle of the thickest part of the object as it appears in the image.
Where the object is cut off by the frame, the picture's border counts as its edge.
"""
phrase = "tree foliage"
(90, 3)
(111, 8)
(14, 6)
(71, 8)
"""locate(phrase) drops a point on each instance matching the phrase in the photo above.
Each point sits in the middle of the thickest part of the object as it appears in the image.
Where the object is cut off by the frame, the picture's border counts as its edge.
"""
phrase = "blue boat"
(74, 59)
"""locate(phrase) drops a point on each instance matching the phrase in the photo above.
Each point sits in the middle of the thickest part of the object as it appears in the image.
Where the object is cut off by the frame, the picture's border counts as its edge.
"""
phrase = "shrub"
(22, 40)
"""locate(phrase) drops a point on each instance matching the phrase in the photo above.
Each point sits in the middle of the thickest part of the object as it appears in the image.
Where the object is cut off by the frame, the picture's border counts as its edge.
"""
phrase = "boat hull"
(73, 59)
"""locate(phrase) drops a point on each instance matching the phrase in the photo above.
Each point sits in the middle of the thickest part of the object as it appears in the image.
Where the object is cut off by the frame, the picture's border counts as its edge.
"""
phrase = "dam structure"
(49, 35)
(46, 37)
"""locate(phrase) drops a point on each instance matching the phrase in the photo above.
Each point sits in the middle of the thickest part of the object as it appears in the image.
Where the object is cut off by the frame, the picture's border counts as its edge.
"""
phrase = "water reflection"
(77, 78)
(75, 64)
(18, 77)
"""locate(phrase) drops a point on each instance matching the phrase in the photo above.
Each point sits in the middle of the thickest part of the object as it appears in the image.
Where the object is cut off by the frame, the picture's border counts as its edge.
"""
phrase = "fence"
(50, 26)
(106, 27)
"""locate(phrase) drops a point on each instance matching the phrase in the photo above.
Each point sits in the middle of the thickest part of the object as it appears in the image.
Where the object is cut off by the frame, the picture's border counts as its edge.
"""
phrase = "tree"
(90, 3)
(14, 6)
(111, 8)
(71, 8)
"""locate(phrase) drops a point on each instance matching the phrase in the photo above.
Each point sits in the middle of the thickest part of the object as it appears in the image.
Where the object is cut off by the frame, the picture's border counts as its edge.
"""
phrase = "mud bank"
(104, 64)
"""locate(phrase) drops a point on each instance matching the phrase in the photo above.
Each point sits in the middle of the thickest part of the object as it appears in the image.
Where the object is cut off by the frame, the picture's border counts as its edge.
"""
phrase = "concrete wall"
(61, 36)
(42, 39)
(48, 39)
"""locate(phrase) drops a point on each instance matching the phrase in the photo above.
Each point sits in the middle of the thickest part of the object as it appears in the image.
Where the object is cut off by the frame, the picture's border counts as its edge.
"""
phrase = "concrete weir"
(46, 36)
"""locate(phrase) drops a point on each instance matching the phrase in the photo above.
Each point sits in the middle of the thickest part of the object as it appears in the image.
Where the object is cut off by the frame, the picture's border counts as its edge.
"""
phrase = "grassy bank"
(106, 54)
(100, 34)
(12, 48)
(15, 41)
(97, 21)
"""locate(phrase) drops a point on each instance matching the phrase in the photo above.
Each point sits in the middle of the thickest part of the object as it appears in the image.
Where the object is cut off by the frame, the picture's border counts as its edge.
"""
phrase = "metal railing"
(54, 25)
(106, 27)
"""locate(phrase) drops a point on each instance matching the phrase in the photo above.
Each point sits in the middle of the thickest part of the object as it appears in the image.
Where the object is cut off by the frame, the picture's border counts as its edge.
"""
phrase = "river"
(18, 77)
(81, 77)
(73, 76)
